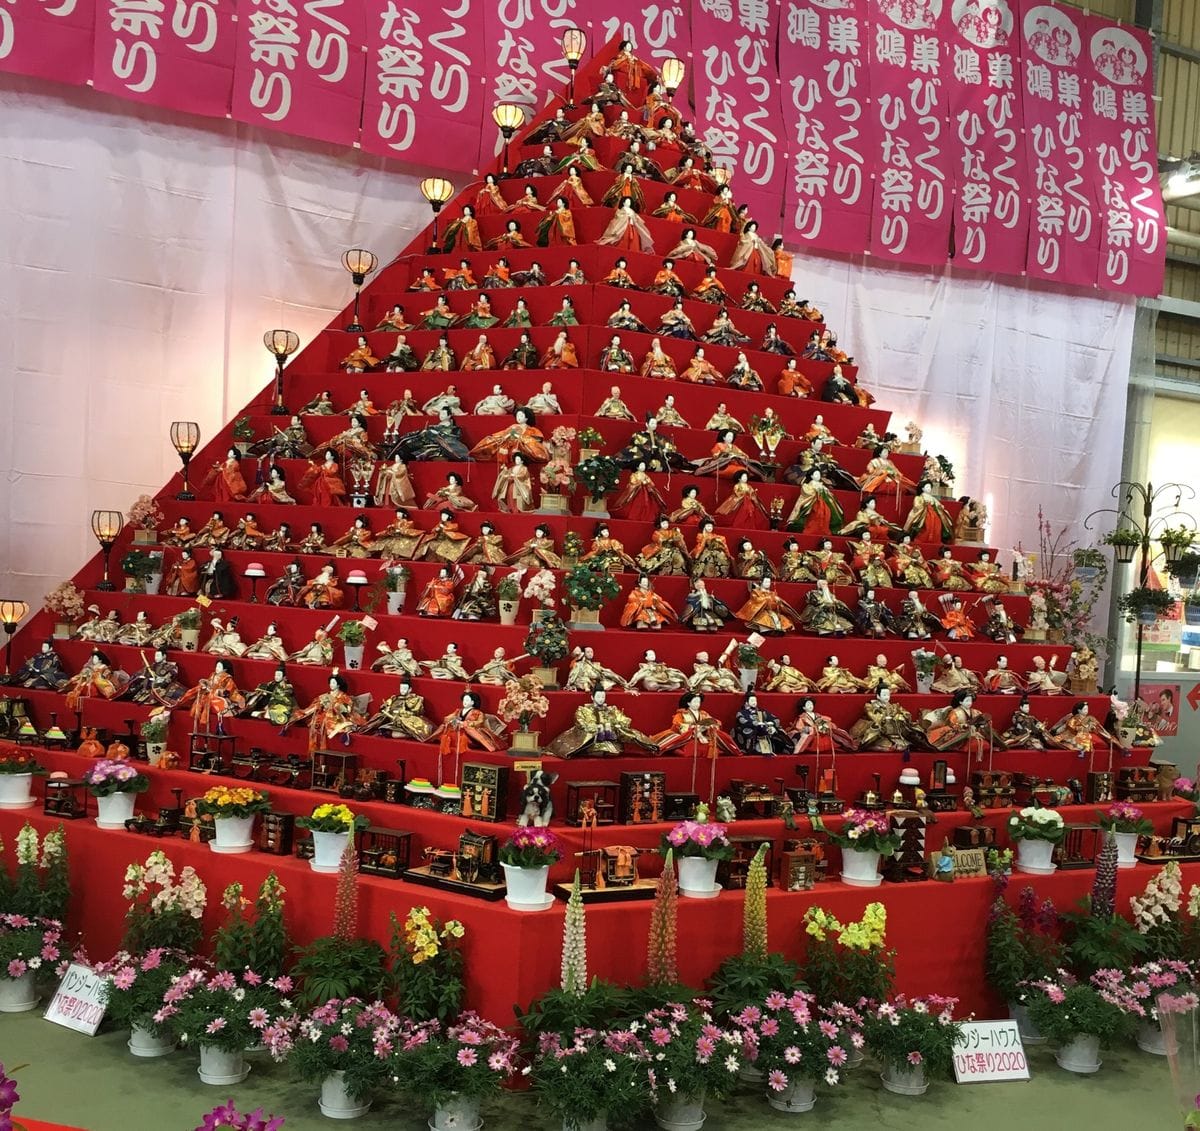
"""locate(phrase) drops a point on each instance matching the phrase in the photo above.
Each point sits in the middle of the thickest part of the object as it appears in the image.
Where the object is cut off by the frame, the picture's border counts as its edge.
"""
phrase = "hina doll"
(393, 487)
(183, 576)
(870, 562)
(785, 677)
(394, 320)
(574, 276)
(670, 210)
(909, 566)
(879, 674)
(443, 542)
(99, 629)
(949, 573)
(513, 489)
(650, 447)
(452, 496)
(587, 673)
(694, 732)
(543, 165)
(882, 474)
(753, 299)
(710, 552)
(400, 538)
(181, 533)
(816, 732)
(448, 400)
(666, 552)
(314, 541)
(783, 259)
(226, 478)
(653, 675)
(816, 458)
(959, 727)
(138, 632)
(524, 355)
(510, 239)
(462, 234)
(479, 317)
(872, 617)
(723, 421)
(701, 371)
(1027, 732)
(868, 520)
(478, 599)
(640, 499)
(322, 592)
(560, 355)
(642, 165)
(440, 441)
(468, 726)
(623, 318)
(488, 200)
(572, 190)
(751, 564)
(708, 677)
(998, 626)
(885, 725)
(625, 185)
(752, 253)
(331, 715)
(527, 202)
(225, 639)
(325, 481)
(487, 549)
(397, 661)
(619, 276)
(720, 214)
(629, 72)
(703, 612)
(690, 249)
(957, 624)
(657, 364)
(955, 677)
(758, 731)
(690, 511)
(538, 552)
(359, 359)
(614, 358)
(426, 282)
(824, 613)
(437, 598)
(710, 289)
(676, 324)
(627, 230)
(984, 574)
(744, 376)
(816, 510)
(765, 611)
(353, 443)
(793, 565)
(268, 646)
(837, 680)
(928, 521)
(839, 390)
(687, 175)
(599, 730)
(592, 123)
(285, 591)
(273, 489)
(216, 576)
(723, 332)
(498, 275)
(557, 227)
(357, 542)
(519, 437)
(401, 716)
(1002, 680)
(1045, 680)
(273, 700)
(156, 685)
(43, 671)
(212, 700)
(479, 356)
(666, 282)
(658, 106)
(645, 609)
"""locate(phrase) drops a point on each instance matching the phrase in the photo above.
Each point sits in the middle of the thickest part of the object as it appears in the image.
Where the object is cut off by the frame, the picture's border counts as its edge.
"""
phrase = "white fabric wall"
(145, 253)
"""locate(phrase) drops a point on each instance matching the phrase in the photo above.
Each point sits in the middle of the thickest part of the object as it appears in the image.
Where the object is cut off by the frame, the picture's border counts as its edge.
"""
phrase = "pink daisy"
(215, 1025)
(915, 1058)
(836, 1056)
(338, 1043)
(467, 1057)
(792, 1054)
(660, 1036)
(777, 1081)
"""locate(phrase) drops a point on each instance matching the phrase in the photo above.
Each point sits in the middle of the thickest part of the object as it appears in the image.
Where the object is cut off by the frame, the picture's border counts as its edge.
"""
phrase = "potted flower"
(115, 786)
(1125, 541)
(794, 1046)
(693, 1060)
(526, 858)
(353, 635)
(749, 660)
(395, 585)
(1126, 822)
(331, 826)
(1143, 605)
(1146, 984)
(508, 596)
(427, 965)
(1176, 541)
(590, 442)
(188, 623)
(699, 846)
(133, 994)
(453, 1068)
(144, 515)
(556, 479)
(1022, 945)
(1088, 562)
(1036, 831)
(540, 588)
(163, 911)
(1080, 1017)
(222, 1015)
(232, 810)
(143, 571)
(591, 1076)
(913, 1038)
(588, 588)
(546, 642)
(598, 476)
(925, 665)
(573, 547)
(17, 768)
(65, 601)
(26, 942)
(849, 962)
(864, 837)
(242, 434)
(346, 1044)
(1185, 569)
(523, 701)
(154, 734)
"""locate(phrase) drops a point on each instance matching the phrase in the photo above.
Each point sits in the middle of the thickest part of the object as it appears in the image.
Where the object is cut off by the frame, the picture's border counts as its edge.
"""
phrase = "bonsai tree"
(572, 546)
(598, 475)
(589, 587)
(547, 639)
(590, 438)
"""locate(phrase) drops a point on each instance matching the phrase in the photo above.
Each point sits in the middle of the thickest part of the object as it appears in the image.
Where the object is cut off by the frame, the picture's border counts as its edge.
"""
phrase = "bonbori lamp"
(185, 439)
(510, 117)
(107, 527)
(360, 263)
(673, 71)
(11, 614)
(436, 190)
(574, 44)
(281, 344)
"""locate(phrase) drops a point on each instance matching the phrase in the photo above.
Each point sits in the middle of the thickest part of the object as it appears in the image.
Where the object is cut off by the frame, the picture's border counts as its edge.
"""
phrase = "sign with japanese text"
(989, 1052)
(658, 31)
(50, 39)
(80, 1000)
(823, 48)
(423, 101)
(913, 204)
(991, 216)
(736, 83)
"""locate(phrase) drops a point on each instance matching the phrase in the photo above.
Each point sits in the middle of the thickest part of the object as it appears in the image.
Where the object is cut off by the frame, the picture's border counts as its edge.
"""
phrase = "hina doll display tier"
(506, 951)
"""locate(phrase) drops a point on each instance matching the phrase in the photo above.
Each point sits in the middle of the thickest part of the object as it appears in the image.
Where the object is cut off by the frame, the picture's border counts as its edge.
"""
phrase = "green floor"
(96, 1085)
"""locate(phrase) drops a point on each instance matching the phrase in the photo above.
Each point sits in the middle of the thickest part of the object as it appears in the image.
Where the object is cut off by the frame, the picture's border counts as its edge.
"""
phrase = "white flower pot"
(327, 851)
(905, 1081)
(854, 1056)
(152, 583)
(1030, 1034)
(748, 677)
(1082, 1055)
(925, 684)
(798, 1096)
(154, 751)
(1151, 1039)
(860, 868)
(395, 602)
(680, 1113)
(335, 1104)
(354, 656)
(233, 834)
(750, 1073)
(1126, 847)
(114, 810)
(526, 888)
(1035, 857)
(697, 877)
(142, 1042)
(189, 639)
(220, 1067)
(18, 995)
(508, 611)
(16, 791)
(458, 1114)
(600, 1123)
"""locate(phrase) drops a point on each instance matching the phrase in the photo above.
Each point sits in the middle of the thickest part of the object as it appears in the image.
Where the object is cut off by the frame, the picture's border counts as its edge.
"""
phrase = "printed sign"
(990, 1052)
(78, 1003)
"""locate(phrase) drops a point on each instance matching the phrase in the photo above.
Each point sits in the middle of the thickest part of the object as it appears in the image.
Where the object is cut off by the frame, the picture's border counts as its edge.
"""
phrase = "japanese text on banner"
(423, 102)
(51, 39)
(991, 217)
(912, 205)
(179, 55)
(737, 98)
(825, 80)
(663, 32)
(1125, 160)
(300, 67)
(1064, 232)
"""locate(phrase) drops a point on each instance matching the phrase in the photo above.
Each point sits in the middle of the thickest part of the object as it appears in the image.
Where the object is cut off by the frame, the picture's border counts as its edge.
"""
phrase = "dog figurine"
(536, 805)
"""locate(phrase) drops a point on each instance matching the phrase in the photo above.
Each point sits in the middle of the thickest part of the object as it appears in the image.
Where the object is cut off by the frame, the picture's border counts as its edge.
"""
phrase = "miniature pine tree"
(345, 903)
(574, 951)
(661, 967)
(754, 908)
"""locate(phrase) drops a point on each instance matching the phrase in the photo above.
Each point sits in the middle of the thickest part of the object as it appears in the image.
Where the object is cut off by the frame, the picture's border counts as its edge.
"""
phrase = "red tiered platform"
(514, 956)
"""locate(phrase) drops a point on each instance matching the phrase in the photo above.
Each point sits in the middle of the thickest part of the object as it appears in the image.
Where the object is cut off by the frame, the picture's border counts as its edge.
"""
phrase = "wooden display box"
(643, 797)
(211, 753)
(1098, 789)
(165, 824)
(474, 869)
(609, 875)
(65, 798)
(732, 873)
(276, 833)
(484, 791)
(993, 789)
(331, 769)
(302, 844)
(592, 803)
(1079, 847)
(365, 785)
(14, 711)
(908, 863)
(803, 863)
(1137, 783)
(753, 800)
(384, 852)
(1031, 788)
(680, 806)
(974, 836)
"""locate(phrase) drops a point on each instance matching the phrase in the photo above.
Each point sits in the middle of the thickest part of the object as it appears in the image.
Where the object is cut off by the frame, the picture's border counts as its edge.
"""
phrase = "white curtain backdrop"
(144, 254)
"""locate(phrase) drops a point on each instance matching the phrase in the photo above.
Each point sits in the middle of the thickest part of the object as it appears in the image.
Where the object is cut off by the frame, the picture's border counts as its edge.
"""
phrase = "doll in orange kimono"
(645, 609)
(488, 200)
(323, 592)
(694, 732)
(463, 234)
(561, 355)
(928, 520)
(183, 578)
(520, 436)
(467, 726)
(96, 679)
(332, 714)
(765, 611)
(325, 480)
(437, 600)
(212, 700)
(629, 71)
(227, 481)
(957, 624)
(743, 506)
(557, 228)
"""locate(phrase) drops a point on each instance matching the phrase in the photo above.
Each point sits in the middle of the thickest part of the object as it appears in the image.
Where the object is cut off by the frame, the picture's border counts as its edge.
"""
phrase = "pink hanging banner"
(736, 84)
(1123, 158)
(49, 39)
(300, 67)
(991, 214)
(823, 49)
(179, 56)
(913, 205)
(1064, 234)
(423, 101)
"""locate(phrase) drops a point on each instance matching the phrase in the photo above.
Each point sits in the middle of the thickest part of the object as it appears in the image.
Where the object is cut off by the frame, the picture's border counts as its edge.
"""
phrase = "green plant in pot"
(598, 475)
(352, 634)
(508, 588)
(1185, 568)
(590, 439)
(1176, 540)
(188, 620)
(547, 640)
(1145, 605)
(138, 566)
(589, 587)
